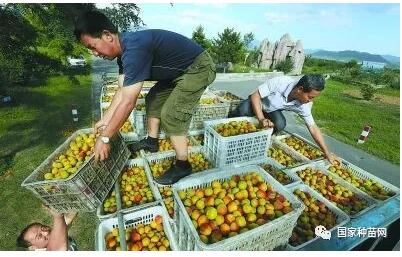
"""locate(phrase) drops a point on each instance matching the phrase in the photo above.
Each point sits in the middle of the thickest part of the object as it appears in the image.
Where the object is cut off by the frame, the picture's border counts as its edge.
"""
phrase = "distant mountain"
(349, 55)
(391, 58)
(311, 51)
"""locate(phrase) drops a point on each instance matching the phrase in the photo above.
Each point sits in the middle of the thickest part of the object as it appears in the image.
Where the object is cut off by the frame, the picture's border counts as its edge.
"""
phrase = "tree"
(247, 39)
(286, 65)
(124, 16)
(367, 92)
(229, 47)
(199, 37)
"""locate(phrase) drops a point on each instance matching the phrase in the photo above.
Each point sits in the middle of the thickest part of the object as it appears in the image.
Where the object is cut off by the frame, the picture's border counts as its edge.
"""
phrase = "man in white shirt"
(285, 93)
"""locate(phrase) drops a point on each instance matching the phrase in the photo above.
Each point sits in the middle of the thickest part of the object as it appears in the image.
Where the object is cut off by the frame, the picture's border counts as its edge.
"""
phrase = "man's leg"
(178, 110)
(180, 145)
(278, 119)
(154, 101)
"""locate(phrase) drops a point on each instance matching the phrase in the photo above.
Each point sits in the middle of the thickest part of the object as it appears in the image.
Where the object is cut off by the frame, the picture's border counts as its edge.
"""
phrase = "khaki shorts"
(175, 104)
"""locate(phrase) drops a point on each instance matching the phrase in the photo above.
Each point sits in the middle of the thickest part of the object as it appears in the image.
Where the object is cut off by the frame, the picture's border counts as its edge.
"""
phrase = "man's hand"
(51, 211)
(266, 123)
(332, 158)
(99, 126)
(101, 150)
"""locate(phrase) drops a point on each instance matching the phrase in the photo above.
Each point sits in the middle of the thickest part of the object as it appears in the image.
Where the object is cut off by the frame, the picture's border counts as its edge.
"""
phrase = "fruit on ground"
(239, 204)
(302, 147)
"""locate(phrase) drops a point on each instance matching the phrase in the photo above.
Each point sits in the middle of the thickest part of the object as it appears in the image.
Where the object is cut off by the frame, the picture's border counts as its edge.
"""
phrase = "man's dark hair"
(93, 23)
(311, 82)
(21, 242)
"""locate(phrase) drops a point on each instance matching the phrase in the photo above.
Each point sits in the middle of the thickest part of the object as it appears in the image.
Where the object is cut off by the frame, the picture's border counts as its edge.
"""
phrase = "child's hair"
(21, 242)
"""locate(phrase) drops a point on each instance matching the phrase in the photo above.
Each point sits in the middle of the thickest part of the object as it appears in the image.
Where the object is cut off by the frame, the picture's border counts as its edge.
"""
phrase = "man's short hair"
(93, 23)
(21, 242)
(311, 82)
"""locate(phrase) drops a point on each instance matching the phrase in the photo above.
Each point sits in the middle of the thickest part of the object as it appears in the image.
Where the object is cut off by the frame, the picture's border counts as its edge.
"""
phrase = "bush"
(286, 65)
(395, 83)
(367, 92)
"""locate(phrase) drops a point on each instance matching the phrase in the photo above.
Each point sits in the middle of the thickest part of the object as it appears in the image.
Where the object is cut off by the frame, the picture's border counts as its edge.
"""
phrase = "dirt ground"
(380, 98)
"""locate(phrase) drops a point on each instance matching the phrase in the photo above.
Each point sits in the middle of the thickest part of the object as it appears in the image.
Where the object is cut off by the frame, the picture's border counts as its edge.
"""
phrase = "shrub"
(286, 65)
(367, 92)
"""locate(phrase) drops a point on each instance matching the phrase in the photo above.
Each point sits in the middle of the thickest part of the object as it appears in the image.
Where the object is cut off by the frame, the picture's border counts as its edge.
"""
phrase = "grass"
(343, 117)
(30, 129)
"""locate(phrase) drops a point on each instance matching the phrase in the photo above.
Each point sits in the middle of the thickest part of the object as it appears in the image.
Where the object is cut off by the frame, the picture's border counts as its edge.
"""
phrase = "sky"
(373, 28)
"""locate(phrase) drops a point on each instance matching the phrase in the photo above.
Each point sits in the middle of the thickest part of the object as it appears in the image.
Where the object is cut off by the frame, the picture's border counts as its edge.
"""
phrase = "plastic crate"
(87, 188)
(157, 157)
(233, 103)
(341, 217)
(263, 238)
(235, 149)
(133, 219)
(294, 181)
(157, 197)
(362, 174)
(129, 136)
(208, 112)
(192, 137)
(359, 194)
(300, 159)
(140, 123)
(279, 139)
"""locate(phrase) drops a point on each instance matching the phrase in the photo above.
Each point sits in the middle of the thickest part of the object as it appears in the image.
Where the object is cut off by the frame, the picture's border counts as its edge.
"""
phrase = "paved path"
(242, 87)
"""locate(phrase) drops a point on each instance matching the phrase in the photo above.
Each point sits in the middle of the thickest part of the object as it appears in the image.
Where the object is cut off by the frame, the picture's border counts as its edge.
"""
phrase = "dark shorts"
(175, 104)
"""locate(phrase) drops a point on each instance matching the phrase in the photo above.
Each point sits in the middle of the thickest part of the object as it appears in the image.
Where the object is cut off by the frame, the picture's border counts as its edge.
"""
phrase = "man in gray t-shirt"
(285, 93)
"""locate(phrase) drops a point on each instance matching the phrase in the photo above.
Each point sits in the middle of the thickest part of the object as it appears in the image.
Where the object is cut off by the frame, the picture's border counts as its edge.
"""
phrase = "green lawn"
(343, 117)
(38, 121)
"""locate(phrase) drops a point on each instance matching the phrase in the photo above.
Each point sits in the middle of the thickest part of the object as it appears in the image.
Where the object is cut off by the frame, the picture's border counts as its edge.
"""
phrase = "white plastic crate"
(235, 149)
(341, 217)
(358, 193)
(133, 219)
(130, 136)
(140, 121)
(266, 237)
(192, 137)
(364, 175)
(279, 139)
(208, 112)
(233, 103)
(84, 190)
(140, 162)
(274, 164)
(157, 157)
(300, 159)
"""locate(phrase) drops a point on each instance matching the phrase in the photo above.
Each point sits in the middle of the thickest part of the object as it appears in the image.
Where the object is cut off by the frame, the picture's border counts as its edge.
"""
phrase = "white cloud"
(323, 17)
